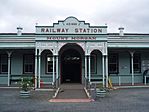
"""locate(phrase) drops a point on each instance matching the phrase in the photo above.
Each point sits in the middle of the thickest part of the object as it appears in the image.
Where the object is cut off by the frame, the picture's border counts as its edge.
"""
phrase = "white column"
(56, 67)
(53, 69)
(119, 80)
(103, 71)
(85, 67)
(36, 69)
(9, 59)
(89, 68)
(57, 75)
(107, 76)
(39, 70)
(145, 80)
(132, 70)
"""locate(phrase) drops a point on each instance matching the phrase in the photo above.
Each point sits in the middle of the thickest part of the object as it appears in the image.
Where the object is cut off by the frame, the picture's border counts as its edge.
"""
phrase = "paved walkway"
(71, 91)
(120, 100)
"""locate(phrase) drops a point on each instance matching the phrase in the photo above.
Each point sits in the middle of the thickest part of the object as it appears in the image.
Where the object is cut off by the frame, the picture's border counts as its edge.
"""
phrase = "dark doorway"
(71, 66)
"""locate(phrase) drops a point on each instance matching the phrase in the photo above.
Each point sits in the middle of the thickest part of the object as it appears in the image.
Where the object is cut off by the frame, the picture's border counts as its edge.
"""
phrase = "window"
(113, 63)
(3, 64)
(136, 63)
(28, 63)
(49, 63)
(93, 63)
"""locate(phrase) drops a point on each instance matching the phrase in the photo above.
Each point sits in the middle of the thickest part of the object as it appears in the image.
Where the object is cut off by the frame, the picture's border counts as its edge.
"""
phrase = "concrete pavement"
(120, 100)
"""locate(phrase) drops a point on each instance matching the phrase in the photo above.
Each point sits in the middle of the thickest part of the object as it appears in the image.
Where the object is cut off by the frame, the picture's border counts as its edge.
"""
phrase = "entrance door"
(71, 66)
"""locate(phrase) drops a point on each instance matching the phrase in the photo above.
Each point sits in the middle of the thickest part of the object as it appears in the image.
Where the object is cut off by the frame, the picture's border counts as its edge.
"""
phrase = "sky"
(133, 15)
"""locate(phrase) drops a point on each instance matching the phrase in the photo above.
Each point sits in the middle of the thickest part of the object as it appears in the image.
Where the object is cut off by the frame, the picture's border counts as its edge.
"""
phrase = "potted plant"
(101, 91)
(26, 85)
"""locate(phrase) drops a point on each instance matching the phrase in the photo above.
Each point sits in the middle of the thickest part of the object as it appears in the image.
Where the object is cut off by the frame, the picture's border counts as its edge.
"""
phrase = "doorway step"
(71, 93)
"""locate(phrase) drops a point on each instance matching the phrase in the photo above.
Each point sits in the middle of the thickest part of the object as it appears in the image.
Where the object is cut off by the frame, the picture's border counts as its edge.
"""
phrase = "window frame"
(2, 63)
(32, 64)
(138, 55)
(116, 63)
(46, 61)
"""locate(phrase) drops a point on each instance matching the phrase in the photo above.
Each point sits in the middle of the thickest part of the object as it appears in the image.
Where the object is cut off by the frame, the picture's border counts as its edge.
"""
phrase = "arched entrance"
(71, 66)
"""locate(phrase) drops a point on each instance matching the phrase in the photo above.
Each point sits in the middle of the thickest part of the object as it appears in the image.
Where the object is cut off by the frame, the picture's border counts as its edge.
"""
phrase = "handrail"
(57, 82)
(87, 85)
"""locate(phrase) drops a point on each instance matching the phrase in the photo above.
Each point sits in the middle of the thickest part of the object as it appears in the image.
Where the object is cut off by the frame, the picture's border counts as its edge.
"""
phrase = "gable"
(71, 25)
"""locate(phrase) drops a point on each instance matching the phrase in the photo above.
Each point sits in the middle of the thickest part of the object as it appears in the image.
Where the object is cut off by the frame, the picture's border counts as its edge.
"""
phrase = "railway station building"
(73, 51)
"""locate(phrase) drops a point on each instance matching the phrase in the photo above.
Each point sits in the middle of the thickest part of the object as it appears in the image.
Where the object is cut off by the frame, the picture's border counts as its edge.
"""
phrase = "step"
(71, 100)
(71, 91)
(71, 86)
(71, 94)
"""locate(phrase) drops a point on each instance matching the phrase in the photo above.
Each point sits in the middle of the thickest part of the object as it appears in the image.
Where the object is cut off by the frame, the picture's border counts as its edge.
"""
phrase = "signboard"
(71, 38)
(71, 25)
